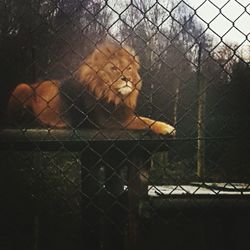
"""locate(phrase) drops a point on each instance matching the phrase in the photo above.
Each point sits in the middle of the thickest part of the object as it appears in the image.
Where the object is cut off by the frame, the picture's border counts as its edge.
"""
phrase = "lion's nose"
(125, 79)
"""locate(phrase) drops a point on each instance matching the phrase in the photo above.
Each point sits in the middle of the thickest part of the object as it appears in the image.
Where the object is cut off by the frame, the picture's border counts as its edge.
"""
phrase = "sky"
(229, 19)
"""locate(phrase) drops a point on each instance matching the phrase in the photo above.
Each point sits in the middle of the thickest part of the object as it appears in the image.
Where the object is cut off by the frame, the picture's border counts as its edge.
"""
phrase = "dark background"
(49, 40)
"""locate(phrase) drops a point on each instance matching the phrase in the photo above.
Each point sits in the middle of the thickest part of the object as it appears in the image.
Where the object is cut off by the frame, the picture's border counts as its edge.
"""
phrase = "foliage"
(49, 39)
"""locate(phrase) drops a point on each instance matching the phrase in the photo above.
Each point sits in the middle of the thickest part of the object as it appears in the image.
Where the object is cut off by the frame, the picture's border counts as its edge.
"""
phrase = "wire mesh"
(124, 124)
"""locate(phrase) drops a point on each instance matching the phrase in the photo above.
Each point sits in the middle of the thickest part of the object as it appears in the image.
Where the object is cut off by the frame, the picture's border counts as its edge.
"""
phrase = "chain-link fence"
(124, 124)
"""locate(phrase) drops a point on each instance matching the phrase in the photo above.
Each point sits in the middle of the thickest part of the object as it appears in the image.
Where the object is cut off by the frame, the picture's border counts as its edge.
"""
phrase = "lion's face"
(120, 73)
(111, 72)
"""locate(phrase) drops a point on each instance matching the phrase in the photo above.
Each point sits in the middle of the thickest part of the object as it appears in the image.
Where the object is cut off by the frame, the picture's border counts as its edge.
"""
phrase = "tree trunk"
(200, 119)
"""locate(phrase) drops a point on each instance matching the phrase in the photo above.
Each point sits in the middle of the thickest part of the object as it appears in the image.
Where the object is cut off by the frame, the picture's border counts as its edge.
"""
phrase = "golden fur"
(106, 68)
(110, 74)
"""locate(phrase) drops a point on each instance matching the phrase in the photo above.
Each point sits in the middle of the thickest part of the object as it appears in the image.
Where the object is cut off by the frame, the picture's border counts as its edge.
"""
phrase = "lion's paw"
(163, 128)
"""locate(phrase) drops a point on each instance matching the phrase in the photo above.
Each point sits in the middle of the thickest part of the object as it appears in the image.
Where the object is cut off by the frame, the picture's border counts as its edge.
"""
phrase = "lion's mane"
(97, 74)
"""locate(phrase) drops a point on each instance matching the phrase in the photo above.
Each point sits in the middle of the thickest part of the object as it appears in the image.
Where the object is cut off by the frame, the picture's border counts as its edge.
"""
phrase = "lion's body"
(81, 109)
(101, 94)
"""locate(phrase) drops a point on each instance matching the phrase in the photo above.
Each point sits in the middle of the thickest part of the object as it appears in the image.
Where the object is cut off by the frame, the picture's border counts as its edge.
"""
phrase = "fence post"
(200, 118)
(91, 212)
(138, 166)
(104, 209)
(102, 205)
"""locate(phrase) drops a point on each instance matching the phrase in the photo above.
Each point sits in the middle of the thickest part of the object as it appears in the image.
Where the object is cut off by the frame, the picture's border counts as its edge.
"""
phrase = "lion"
(102, 93)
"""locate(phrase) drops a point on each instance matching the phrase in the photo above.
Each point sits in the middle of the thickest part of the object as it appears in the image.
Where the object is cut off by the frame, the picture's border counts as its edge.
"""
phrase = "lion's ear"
(132, 53)
(95, 59)
(96, 55)
(104, 49)
(137, 60)
(107, 50)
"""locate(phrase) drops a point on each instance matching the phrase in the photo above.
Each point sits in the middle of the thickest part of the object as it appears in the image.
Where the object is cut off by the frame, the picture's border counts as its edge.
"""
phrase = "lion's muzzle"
(125, 88)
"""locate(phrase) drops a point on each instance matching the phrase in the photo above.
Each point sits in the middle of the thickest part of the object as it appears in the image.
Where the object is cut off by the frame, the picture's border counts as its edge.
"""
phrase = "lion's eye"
(114, 68)
(129, 68)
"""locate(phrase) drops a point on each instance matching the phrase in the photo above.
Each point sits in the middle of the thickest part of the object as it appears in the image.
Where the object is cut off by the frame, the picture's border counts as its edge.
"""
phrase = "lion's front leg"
(158, 127)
